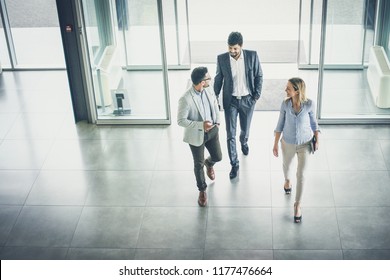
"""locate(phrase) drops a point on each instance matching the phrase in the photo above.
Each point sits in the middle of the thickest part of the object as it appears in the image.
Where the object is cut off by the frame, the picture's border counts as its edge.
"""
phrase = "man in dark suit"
(240, 77)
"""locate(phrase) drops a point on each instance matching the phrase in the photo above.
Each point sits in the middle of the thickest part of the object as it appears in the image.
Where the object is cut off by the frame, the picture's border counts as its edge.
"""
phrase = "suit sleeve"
(218, 79)
(258, 77)
(183, 113)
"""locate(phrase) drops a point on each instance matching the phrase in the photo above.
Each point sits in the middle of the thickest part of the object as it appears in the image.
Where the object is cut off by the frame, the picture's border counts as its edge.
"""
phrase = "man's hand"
(207, 125)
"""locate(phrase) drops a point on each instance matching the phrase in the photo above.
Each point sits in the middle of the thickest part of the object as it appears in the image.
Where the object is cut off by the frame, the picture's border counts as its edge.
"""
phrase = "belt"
(240, 97)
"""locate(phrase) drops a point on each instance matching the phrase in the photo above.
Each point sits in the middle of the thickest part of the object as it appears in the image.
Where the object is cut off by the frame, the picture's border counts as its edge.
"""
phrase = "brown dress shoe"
(210, 173)
(202, 200)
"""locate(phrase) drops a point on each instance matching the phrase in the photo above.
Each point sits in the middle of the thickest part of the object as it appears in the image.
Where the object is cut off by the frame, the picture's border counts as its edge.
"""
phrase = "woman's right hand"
(275, 150)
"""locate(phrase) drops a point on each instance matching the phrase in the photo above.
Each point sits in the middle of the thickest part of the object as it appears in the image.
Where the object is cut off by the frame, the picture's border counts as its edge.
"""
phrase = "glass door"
(349, 31)
(345, 94)
(310, 12)
(138, 22)
(177, 34)
(119, 33)
(31, 37)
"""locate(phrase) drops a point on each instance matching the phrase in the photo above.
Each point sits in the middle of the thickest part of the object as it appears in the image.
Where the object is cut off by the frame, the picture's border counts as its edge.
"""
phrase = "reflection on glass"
(142, 35)
(310, 32)
(122, 33)
(35, 33)
(345, 32)
(4, 57)
(176, 32)
(346, 93)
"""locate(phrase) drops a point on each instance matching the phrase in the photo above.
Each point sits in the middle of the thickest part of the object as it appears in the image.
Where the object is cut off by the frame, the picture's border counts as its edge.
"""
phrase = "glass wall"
(35, 34)
(346, 93)
(309, 34)
(138, 22)
(4, 57)
(123, 35)
(176, 34)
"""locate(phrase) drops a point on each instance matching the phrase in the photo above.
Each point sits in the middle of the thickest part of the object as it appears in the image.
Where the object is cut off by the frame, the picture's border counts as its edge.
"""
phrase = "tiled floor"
(85, 192)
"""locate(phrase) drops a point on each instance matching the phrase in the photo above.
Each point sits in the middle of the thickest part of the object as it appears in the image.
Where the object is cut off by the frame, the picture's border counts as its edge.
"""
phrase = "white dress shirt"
(240, 87)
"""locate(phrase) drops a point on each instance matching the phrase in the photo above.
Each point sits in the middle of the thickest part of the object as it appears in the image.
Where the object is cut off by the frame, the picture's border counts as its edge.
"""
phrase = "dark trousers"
(242, 108)
(211, 143)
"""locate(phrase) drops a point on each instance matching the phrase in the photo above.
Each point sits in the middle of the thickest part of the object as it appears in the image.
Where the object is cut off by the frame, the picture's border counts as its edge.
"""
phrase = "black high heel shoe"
(297, 219)
(287, 191)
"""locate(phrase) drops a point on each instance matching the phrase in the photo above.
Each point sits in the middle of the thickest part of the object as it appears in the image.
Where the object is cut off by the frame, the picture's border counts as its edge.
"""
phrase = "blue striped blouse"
(297, 128)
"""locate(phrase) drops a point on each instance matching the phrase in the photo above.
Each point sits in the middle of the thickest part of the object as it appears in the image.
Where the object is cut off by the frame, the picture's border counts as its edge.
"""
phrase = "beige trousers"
(303, 154)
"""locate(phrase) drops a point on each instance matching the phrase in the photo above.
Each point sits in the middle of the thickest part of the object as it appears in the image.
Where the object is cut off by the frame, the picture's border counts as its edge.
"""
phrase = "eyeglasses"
(206, 79)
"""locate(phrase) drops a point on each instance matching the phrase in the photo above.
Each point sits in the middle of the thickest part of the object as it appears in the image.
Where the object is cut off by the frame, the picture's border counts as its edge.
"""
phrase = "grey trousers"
(211, 143)
(243, 109)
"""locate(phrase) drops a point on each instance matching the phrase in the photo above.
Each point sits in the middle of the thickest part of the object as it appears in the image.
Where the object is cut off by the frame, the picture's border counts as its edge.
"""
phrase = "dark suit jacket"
(223, 77)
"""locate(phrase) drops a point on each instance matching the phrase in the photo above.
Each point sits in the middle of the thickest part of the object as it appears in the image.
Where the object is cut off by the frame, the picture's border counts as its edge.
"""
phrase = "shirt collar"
(197, 92)
(241, 56)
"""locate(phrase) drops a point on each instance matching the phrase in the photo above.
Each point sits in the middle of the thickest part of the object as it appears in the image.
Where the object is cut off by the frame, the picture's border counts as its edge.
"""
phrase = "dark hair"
(198, 74)
(235, 38)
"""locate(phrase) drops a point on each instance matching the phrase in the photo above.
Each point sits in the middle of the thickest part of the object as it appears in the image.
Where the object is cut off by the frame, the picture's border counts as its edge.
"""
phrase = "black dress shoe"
(245, 149)
(233, 172)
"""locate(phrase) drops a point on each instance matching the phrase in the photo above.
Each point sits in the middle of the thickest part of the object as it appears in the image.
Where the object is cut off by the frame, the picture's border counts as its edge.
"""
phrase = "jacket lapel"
(196, 101)
(208, 95)
(246, 61)
(227, 64)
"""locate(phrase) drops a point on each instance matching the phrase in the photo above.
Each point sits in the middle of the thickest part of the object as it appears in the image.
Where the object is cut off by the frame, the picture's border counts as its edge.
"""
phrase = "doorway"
(131, 46)
(345, 94)
(33, 41)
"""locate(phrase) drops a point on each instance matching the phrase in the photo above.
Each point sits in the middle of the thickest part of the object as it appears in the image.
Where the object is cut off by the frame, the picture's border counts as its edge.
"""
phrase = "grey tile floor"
(80, 191)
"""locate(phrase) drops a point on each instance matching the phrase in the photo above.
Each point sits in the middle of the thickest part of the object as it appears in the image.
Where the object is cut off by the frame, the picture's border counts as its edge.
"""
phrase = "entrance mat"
(270, 51)
(272, 95)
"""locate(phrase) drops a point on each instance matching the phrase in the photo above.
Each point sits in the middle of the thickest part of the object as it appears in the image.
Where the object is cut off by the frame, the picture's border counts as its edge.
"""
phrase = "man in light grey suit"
(198, 113)
(240, 77)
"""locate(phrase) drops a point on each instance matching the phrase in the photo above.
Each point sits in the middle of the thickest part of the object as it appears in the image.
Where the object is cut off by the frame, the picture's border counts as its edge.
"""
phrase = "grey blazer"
(223, 77)
(190, 117)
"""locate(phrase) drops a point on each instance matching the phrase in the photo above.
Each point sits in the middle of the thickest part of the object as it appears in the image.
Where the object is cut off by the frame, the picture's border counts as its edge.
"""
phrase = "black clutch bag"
(313, 144)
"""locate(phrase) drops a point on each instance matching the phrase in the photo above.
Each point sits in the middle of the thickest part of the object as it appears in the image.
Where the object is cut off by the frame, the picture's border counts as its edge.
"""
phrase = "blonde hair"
(299, 86)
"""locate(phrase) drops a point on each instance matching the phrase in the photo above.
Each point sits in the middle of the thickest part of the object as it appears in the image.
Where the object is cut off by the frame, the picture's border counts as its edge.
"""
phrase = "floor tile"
(33, 253)
(385, 147)
(367, 155)
(317, 191)
(8, 216)
(125, 155)
(23, 154)
(36, 126)
(366, 254)
(364, 228)
(57, 187)
(238, 254)
(16, 185)
(83, 130)
(6, 122)
(317, 231)
(76, 155)
(175, 155)
(100, 254)
(44, 226)
(249, 189)
(361, 188)
(239, 228)
(308, 254)
(119, 188)
(173, 227)
(169, 254)
(108, 227)
(174, 188)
